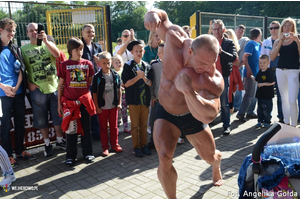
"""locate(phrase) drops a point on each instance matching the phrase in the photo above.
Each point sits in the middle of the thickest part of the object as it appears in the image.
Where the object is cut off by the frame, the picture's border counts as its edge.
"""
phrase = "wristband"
(148, 82)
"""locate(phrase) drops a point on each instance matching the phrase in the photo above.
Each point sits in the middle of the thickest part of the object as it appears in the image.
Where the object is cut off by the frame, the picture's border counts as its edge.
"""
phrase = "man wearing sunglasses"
(266, 47)
(127, 37)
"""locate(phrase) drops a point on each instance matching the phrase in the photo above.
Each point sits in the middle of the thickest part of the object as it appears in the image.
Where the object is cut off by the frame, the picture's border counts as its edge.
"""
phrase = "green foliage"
(130, 14)
(179, 12)
(127, 15)
(3, 14)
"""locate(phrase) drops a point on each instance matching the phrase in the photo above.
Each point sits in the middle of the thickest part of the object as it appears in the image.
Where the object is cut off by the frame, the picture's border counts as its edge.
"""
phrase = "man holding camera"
(42, 83)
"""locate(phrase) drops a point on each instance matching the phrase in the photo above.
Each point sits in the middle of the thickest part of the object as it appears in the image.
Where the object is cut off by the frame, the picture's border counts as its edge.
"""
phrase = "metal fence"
(200, 22)
(62, 21)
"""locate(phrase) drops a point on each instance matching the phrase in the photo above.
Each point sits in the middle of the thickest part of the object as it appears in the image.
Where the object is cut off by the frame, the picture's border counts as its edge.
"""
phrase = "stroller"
(273, 169)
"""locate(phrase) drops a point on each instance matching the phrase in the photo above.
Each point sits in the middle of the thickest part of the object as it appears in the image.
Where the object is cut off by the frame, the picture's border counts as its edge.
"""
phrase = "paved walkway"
(124, 176)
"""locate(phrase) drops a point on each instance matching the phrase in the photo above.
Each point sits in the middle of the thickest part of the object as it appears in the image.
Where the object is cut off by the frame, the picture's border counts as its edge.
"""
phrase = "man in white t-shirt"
(127, 37)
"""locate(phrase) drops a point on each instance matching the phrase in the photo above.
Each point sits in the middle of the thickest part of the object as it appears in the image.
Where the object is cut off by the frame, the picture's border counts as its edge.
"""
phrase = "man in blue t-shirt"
(251, 61)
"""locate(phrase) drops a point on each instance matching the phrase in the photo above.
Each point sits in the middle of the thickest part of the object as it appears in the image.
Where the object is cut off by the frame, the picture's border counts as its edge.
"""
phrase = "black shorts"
(187, 124)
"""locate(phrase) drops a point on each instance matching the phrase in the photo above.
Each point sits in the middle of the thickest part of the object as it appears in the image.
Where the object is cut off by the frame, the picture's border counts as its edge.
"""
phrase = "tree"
(3, 14)
(179, 12)
(126, 15)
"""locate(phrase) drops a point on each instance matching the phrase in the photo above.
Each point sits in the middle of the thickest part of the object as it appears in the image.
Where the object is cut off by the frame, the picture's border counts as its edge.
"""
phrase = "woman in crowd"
(287, 47)
(151, 49)
(235, 77)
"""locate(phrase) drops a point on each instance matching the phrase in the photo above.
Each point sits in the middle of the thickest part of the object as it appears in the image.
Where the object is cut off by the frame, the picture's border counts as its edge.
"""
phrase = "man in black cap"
(137, 76)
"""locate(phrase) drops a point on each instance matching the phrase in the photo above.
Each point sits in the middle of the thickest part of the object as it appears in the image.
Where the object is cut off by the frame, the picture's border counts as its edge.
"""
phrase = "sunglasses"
(125, 36)
(275, 28)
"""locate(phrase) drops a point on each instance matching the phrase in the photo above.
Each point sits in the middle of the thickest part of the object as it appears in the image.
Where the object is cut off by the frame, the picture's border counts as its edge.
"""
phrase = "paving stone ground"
(124, 176)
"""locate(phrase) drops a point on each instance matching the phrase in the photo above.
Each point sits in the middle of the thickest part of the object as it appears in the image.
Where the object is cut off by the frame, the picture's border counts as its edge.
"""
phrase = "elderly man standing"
(89, 50)
(42, 83)
(226, 56)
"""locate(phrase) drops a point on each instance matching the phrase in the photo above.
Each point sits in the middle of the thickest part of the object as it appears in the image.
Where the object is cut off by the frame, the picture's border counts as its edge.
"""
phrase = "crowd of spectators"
(93, 88)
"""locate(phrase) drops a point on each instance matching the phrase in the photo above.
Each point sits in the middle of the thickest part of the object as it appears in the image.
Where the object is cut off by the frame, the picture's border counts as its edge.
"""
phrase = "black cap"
(132, 43)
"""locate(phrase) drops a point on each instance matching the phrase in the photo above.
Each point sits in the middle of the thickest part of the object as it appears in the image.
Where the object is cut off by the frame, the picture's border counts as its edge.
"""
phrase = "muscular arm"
(203, 104)
(157, 20)
(210, 83)
(202, 109)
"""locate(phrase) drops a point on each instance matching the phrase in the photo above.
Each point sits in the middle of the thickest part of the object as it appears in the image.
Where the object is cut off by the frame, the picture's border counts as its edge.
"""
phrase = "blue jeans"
(238, 94)
(225, 112)
(264, 109)
(249, 99)
(251, 108)
(17, 106)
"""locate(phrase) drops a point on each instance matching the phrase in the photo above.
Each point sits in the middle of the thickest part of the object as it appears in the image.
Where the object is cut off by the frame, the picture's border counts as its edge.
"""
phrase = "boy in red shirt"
(75, 101)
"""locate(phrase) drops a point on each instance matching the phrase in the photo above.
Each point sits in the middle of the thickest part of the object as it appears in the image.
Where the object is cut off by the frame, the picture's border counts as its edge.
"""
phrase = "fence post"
(266, 27)
(108, 30)
(235, 25)
(198, 25)
(9, 10)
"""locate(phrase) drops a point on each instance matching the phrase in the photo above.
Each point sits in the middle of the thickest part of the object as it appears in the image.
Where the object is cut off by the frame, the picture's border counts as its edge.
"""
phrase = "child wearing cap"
(137, 77)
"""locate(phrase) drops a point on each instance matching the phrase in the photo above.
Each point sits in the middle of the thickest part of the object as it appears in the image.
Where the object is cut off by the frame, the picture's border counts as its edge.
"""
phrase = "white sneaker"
(149, 130)
(7, 180)
(180, 140)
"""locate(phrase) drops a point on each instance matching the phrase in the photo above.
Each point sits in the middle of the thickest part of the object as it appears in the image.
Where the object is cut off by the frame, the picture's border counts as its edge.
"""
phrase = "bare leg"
(45, 132)
(165, 136)
(58, 131)
(204, 144)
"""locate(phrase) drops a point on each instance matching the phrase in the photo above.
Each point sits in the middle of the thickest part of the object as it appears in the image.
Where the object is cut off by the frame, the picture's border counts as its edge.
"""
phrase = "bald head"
(207, 42)
(31, 25)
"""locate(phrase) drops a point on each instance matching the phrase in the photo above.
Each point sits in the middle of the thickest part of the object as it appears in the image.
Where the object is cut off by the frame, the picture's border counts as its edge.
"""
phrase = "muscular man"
(188, 97)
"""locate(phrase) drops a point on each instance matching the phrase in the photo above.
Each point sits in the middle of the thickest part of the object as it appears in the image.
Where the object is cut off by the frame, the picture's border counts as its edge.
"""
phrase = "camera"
(286, 34)
(40, 28)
